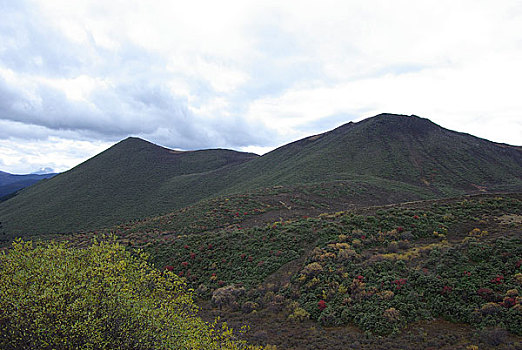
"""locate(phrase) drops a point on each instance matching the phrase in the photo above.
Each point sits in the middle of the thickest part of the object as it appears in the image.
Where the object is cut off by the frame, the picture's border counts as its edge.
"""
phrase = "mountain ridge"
(408, 155)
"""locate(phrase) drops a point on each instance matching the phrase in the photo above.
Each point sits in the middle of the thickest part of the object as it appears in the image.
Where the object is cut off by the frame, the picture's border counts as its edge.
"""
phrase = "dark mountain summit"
(396, 153)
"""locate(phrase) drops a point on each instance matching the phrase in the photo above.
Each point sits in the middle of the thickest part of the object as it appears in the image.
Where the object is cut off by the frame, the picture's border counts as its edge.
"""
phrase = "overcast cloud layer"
(77, 76)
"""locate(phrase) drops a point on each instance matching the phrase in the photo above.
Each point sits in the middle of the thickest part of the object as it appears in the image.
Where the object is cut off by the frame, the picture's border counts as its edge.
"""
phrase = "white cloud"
(252, 75)
(23, 157)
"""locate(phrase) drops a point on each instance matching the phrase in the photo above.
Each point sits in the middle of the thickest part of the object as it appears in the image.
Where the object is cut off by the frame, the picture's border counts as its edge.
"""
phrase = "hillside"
(118, 184)
(390, 157)
(442, 274)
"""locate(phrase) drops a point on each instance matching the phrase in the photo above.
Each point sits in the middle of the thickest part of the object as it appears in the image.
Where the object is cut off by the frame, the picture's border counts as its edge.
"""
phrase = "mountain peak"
(391, 125)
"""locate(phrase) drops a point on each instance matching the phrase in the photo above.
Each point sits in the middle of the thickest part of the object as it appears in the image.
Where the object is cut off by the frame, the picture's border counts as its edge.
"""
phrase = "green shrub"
(54, 296)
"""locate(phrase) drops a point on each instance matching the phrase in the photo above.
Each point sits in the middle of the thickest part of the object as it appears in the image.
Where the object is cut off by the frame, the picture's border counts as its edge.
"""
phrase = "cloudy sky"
(77, 76)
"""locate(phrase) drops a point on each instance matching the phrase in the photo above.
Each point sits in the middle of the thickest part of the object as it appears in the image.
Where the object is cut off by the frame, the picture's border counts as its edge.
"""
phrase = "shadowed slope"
(10, 183)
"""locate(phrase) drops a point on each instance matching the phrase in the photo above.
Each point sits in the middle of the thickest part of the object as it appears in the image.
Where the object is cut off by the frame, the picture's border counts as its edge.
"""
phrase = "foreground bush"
(55, 296)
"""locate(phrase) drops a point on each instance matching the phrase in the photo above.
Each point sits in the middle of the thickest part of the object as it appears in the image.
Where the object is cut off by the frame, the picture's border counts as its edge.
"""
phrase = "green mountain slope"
(406, 156)
(119, 184)
(407, 149)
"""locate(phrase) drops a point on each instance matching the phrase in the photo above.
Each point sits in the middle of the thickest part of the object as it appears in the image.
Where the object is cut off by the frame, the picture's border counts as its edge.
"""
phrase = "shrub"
(312, 269)
(297, 313)
(391, 314)
(55, 296)
(225, 296)
(248, 307)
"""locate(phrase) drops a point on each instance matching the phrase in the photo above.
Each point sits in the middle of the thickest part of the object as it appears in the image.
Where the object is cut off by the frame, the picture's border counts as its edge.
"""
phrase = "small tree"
(54, 296)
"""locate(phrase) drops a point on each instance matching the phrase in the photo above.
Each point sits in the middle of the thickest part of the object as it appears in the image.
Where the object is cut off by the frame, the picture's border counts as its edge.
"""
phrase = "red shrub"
(487, 294)
(498, 280)
(446, 290)
(400, 282)
(321, 305)
(508, 302)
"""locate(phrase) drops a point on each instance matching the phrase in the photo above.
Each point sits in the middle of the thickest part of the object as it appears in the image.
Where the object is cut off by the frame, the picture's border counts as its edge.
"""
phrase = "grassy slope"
(411, 150)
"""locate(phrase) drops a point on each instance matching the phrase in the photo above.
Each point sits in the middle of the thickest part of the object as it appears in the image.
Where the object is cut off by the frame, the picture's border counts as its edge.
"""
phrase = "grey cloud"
(327, 123)
(111, 114)
(280, 60)
(137, 100)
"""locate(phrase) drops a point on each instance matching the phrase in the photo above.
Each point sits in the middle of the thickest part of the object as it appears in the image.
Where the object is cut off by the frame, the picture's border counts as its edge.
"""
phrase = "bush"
(55, 296)
(226, 296)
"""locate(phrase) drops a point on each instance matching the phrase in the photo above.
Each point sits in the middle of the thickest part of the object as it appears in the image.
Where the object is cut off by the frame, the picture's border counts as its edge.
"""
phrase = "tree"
(55, 296)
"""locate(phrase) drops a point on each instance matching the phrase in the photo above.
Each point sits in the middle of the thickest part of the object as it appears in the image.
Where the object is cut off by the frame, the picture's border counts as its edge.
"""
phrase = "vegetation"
(133, 179)
(380, 270)
(54, 296)
(303, 243)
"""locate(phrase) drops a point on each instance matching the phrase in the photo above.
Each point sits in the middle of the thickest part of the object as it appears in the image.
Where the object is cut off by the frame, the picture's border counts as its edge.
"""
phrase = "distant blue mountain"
(44, 171)
(11, 183)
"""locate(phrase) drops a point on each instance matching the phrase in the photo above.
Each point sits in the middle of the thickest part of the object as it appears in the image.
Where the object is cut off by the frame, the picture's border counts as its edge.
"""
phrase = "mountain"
(408, 149)
(10, 183)
(118, 184)
(404, 157)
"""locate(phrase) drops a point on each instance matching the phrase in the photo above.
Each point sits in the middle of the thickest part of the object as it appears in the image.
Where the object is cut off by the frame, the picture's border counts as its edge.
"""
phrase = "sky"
(77, 76)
